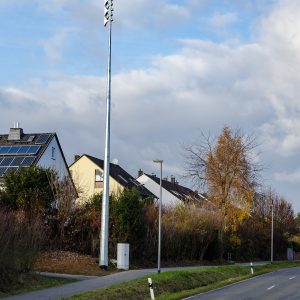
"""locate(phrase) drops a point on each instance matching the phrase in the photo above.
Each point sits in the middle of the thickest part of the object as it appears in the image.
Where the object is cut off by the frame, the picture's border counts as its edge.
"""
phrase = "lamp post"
(103, 261)
(159, 215)
(272, 230)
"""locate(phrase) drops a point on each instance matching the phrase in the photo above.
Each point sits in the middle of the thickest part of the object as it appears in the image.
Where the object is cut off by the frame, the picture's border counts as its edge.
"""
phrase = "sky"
(179, 68)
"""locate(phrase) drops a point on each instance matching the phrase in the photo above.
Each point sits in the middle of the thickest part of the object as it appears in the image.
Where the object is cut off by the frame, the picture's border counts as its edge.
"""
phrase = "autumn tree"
(225, 168)
(255, 231)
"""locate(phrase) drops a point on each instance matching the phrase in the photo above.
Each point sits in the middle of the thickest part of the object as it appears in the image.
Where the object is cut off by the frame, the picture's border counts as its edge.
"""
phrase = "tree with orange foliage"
(225, 167)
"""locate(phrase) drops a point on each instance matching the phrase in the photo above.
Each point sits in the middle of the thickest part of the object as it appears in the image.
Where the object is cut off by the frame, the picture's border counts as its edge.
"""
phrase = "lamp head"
(159, 161)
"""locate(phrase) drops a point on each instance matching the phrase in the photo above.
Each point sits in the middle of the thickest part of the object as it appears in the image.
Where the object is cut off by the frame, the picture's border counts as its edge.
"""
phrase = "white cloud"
(290, 177)
(221, 20)
(133, 14)
(54, 46)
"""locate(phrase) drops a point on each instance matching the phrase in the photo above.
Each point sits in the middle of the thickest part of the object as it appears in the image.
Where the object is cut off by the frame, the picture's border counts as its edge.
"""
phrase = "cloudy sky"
(179, 67)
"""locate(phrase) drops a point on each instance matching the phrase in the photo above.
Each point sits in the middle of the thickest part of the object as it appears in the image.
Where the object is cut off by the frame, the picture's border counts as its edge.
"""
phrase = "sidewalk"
(85, 285)
(89, 283)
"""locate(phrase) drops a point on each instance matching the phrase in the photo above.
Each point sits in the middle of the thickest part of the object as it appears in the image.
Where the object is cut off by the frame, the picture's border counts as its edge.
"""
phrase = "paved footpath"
(89, 283)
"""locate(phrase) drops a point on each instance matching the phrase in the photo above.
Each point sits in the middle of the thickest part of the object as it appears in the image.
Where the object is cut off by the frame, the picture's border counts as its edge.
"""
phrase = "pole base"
(103, 267)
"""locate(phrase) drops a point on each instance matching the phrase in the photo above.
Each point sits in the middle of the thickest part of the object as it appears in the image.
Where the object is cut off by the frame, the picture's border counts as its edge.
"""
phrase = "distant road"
(282, 284)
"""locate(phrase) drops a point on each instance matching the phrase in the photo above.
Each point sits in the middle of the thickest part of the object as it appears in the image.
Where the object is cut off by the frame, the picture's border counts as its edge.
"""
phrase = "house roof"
(183, 193)
(122, 177)
(23, 152)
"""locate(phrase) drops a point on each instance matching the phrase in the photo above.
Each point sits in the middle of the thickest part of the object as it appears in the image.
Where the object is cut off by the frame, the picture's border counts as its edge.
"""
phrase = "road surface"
(88, 283)
(282, 284)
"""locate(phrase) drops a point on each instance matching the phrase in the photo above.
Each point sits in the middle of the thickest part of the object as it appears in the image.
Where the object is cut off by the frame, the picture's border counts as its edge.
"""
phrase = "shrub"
(20, 241)
(187, 232)
(28, 189)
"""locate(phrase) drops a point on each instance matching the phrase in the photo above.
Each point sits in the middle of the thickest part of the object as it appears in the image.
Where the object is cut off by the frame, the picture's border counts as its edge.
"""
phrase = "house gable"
(24, 150)
(83, 173)
(173, 193)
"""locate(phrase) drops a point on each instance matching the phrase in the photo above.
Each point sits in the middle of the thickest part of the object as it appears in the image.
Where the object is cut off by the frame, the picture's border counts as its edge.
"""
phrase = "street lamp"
(159, 215)
(103, 261)
(272, 229)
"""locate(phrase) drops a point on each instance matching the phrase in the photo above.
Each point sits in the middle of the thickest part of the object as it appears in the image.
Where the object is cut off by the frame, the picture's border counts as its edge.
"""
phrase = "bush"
(187, 232)
(28, 189)
(20, 241)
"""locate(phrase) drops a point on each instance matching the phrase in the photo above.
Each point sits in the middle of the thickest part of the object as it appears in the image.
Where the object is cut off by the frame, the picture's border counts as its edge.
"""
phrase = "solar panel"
(17, 161)
(6, 161)
(28, 161)
(2, 171)
(33, 150)
(31, 138)
(4, 150)
(23, 149)
(42, 139)
(15, 150)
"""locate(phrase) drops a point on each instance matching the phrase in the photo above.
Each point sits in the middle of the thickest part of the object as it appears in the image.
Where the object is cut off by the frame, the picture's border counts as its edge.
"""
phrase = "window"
(53, 153)
(98, 179)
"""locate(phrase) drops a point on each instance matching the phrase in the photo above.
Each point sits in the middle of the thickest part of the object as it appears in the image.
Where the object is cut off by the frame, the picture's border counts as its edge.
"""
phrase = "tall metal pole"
(103, 262)
(159, 216)
(272, 230)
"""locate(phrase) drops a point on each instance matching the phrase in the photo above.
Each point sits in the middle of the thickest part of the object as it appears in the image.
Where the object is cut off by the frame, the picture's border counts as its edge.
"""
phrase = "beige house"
(87, 174)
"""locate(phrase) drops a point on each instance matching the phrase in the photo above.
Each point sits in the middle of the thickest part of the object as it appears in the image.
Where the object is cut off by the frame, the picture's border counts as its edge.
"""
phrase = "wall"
(168, 199)
(58, 163)
(83, 174)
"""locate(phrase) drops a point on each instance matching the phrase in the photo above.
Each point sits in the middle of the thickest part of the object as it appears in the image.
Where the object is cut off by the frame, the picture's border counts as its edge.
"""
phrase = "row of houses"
(18, 149)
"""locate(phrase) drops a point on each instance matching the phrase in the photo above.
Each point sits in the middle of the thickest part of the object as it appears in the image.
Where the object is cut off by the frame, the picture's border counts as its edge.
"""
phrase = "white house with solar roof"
(18, 149)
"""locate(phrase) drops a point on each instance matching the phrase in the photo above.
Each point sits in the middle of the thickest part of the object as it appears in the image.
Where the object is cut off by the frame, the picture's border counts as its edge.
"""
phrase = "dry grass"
(66, 262)
(32, 282)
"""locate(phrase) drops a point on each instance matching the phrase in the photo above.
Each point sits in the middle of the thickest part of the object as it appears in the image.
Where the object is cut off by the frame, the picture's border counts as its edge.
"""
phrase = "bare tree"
(65, 194)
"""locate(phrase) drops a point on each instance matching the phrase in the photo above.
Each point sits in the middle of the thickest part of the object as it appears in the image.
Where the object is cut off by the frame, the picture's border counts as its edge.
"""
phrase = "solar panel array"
(19, 150)
(14, 157)
(13, 163)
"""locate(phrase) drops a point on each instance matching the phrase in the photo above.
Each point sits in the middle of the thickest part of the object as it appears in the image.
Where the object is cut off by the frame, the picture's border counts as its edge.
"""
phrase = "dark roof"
(122, 177)
(183, 193)
(14, 158)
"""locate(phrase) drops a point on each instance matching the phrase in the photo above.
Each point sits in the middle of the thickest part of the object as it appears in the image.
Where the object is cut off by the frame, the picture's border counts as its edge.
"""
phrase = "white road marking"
(269, 288)
(292, 277)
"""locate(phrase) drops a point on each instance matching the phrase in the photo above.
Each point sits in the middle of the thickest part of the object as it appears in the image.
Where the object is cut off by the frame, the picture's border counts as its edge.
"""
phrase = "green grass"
(180, 284)
(32, 282)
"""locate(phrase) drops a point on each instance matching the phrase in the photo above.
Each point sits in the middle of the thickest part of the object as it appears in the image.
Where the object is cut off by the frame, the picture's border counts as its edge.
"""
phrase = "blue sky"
(179, 67)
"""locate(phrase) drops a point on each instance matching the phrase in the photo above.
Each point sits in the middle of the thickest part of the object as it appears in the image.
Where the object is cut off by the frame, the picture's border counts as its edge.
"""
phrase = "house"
(172, 192)
(87, 173)
(18, 149)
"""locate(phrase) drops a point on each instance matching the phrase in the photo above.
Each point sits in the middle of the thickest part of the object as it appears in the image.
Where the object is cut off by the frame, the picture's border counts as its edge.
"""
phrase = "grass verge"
(33, 282)
(180, 284)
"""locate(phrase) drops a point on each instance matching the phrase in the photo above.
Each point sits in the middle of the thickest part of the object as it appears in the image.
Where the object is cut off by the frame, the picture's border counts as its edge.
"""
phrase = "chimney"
(15, 134)
(173, 179)
(76, 157)
(140, 173)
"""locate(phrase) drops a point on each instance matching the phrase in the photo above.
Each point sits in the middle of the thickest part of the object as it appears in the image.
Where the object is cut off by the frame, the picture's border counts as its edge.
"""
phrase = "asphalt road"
(282, 284)
(89, 283)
